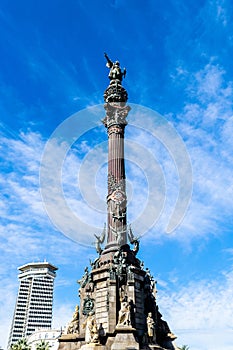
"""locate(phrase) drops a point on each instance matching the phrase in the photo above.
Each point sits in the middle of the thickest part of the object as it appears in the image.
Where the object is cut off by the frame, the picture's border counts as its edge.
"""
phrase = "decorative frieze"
(114, 185)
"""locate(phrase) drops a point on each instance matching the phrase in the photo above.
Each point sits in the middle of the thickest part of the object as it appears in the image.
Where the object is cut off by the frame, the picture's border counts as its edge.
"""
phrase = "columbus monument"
(118, 308)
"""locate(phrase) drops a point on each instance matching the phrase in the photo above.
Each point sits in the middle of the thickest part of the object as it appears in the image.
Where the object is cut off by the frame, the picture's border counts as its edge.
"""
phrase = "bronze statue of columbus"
(115, 70)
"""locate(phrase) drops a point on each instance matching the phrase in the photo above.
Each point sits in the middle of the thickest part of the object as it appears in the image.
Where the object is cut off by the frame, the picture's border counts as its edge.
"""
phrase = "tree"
(21, 345)
(184, 347)
(43, 345)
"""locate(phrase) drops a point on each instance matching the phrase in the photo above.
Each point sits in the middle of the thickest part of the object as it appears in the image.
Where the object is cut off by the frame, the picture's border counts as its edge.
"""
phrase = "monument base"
(70, 342)
(125, 339)
(93, 347)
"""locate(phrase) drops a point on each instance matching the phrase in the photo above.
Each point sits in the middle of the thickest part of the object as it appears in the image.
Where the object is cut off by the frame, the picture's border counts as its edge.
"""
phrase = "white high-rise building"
(33, 309)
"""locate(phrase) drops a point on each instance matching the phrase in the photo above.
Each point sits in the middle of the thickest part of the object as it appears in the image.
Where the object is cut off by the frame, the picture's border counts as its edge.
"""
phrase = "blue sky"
(178, 57)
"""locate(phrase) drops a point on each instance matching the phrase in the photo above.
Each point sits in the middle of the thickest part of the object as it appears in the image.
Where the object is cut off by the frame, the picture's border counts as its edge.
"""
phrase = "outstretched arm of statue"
(109, 62)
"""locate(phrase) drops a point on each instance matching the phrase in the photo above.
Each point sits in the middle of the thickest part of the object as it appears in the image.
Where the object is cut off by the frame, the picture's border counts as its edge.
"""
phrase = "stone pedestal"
(93, 347)
(125, 339)
(70, 342)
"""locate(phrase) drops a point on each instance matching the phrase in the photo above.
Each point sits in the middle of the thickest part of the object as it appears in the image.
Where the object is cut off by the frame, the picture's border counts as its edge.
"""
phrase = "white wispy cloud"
(200, 312)
(221, 10)
(205, 124)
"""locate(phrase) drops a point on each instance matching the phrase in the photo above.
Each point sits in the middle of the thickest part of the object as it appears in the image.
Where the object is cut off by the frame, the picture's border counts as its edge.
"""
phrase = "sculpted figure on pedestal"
(165, 336)
(91, 329)
(115, 69)
(133, 240)
(151, 329)
(124, 318)
(100, 240)
(85, 278)
(115, 92)
(73, 326)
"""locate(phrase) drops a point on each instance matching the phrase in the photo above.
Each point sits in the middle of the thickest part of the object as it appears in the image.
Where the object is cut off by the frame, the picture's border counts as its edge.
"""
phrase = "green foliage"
(184, 347)
(21, 345)
(43, 345)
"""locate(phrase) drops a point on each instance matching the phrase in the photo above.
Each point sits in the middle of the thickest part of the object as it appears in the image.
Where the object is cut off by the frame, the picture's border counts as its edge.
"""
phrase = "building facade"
(33, 309)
